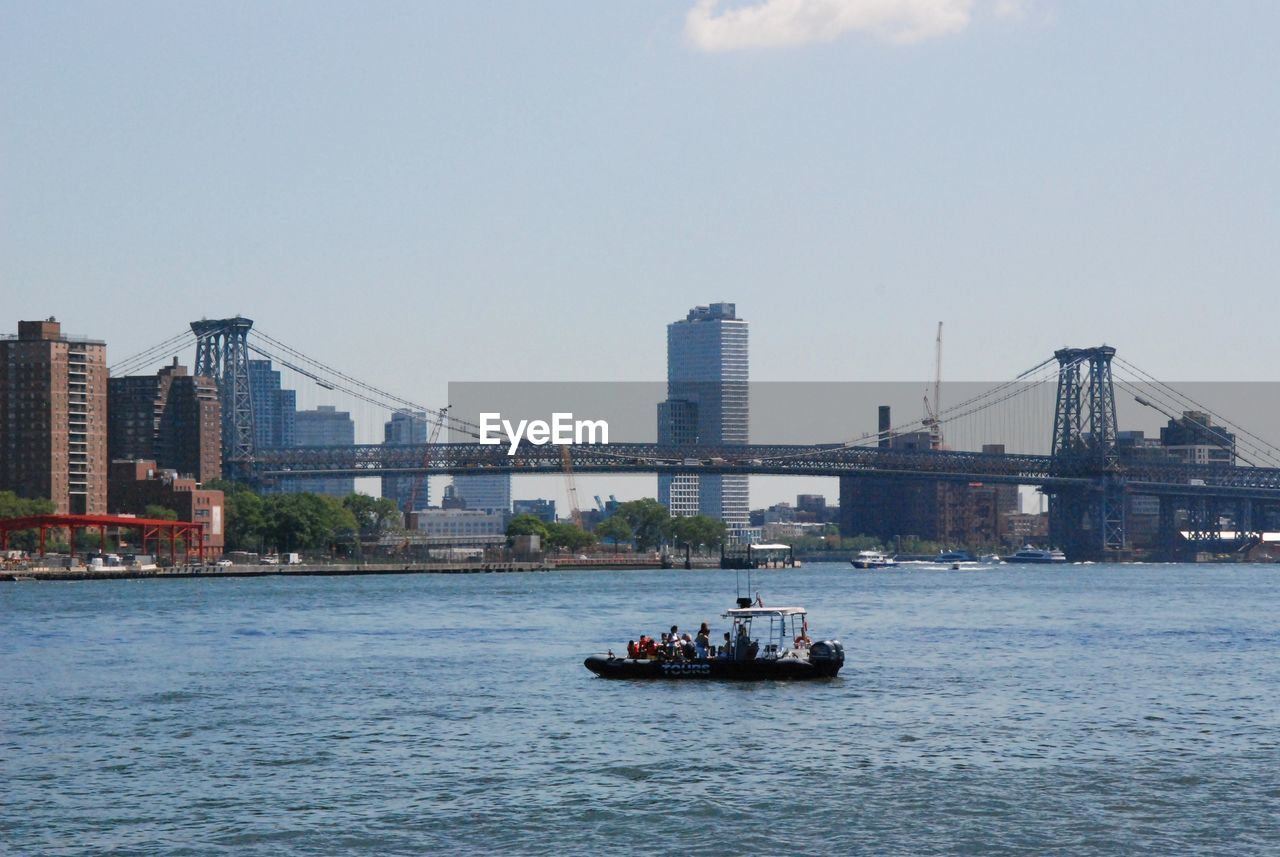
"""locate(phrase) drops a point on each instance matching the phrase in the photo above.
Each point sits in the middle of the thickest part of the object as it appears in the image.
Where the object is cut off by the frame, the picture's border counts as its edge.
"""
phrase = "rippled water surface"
(1086, 709)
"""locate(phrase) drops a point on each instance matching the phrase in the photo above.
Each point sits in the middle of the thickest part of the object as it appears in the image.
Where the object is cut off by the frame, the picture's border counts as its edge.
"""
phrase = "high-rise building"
(486, 493)
(53, 418)
(707, 403)
(325, 426)
(406, 427)
(1194, 439)
(274, 408)
(171, 418)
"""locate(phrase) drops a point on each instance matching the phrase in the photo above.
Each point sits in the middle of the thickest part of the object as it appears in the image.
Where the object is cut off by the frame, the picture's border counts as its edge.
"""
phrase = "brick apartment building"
(138, 484)
(53, 417)
(171, 418)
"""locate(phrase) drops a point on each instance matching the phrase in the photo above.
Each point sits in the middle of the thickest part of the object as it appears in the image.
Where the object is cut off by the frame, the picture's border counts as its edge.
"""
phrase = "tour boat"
(1036, 555)
(873, 559)
(768, 643)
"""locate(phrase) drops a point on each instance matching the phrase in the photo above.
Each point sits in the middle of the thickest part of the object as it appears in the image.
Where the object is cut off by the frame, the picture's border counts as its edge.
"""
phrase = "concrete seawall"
(333, 569)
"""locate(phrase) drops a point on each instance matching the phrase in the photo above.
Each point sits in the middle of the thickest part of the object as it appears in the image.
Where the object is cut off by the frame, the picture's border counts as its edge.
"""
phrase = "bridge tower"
(1087, 522)
(222, 353)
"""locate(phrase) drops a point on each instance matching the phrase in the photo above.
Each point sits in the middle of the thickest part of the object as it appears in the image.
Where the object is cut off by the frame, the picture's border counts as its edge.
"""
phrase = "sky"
(425, 193)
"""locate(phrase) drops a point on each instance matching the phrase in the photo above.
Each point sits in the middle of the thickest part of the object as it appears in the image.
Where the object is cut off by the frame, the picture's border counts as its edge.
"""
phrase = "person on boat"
(633, 650)
(702, 643)
(687, 647)
(726, 648)
(741, 644)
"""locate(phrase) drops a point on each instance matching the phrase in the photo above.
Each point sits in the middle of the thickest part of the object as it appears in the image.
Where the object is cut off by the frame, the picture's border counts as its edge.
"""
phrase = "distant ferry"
(1031, 554)
(873, 559)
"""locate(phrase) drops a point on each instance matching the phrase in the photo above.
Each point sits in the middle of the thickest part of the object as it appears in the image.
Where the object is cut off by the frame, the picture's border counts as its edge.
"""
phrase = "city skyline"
(768, 489)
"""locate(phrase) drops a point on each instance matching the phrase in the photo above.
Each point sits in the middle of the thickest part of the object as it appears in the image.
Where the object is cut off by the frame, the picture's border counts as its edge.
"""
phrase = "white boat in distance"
(1034, 555)
(873, 559)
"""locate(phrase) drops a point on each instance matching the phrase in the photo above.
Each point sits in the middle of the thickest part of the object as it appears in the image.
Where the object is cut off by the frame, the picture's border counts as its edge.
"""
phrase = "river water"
(1075, 710)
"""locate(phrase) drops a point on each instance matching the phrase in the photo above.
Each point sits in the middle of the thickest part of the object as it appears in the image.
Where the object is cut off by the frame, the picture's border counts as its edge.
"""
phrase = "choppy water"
(1087, 709)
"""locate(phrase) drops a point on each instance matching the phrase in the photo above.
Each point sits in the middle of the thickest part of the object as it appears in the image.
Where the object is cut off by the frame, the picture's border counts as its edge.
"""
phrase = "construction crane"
(426, 462)
(933, 408)
(570, 485)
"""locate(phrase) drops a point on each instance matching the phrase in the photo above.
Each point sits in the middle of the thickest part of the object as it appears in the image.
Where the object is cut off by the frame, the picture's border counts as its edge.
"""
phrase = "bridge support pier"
(1088, 523)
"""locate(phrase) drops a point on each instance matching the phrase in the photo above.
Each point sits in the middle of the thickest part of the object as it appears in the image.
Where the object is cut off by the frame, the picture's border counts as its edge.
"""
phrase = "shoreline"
(324, 570)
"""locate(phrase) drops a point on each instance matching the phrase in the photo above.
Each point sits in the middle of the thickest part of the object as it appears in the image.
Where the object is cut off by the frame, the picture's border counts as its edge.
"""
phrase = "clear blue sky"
(432, 192)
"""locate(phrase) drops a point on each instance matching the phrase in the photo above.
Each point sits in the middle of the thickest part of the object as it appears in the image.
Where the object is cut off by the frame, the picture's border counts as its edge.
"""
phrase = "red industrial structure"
(151, 529)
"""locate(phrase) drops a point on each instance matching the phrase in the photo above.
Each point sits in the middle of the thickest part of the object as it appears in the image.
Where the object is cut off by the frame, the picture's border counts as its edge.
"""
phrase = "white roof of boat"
(771, 547)
(743, 612)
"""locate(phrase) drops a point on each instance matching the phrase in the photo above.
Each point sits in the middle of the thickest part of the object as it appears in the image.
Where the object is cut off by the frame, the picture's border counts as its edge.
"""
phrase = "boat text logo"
(561, 431)
(685, 668)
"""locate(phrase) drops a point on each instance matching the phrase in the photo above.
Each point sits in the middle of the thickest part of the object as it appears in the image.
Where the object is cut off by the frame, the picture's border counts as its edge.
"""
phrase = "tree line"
(644, 523)
(299, 522)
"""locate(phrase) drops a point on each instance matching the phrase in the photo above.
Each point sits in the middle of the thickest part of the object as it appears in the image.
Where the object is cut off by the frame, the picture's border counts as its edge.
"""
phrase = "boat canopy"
(770, 547)
(749, 612)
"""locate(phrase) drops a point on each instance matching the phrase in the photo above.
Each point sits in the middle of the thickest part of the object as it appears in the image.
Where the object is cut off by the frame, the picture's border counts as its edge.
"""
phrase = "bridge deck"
(1145, 476)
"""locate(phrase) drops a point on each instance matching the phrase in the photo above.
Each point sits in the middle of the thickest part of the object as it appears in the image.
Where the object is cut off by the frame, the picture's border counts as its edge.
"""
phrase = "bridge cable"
(450, 421)
(1180, 400)
(142, 358)
(1220, 439)
(341, 387)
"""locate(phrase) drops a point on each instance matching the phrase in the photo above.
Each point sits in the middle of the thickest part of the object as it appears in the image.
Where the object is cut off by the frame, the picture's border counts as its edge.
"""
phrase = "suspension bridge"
(1087, 473)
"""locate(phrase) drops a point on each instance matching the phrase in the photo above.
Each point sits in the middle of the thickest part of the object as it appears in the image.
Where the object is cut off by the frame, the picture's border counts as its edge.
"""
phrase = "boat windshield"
(770, 632)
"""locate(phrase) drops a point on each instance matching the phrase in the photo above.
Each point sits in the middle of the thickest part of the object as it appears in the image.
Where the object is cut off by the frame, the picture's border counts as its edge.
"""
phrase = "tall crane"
(426, 461)
(570, 485)
(933, 408)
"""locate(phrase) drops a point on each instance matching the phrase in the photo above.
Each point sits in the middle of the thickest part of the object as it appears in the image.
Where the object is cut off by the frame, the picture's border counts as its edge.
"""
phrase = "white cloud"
(1011, 10)
(783, 23)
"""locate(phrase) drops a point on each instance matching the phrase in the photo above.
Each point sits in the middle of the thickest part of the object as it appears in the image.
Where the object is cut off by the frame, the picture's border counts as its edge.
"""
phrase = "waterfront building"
(274, 408)
(707, 403)
(484, 493)
(954, 514)
(1022, 528)
(543, 510)
(460, 525)
(787, 530)
(406, 427)
(170, 417)
(53, 418)
(325, 426)
(137, 484)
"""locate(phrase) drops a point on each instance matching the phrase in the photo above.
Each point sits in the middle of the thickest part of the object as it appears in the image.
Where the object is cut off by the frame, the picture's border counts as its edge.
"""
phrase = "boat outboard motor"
(827, 656)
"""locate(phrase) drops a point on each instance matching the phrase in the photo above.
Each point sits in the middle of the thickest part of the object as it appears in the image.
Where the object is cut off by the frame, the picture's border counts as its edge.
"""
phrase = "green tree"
(159, 513)
(528, 525)
(698, 530)
(649, 520)
(13, 506)
(374, 515)
(568, 536)
(614, 529)
(308, 521)
(245, 525)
